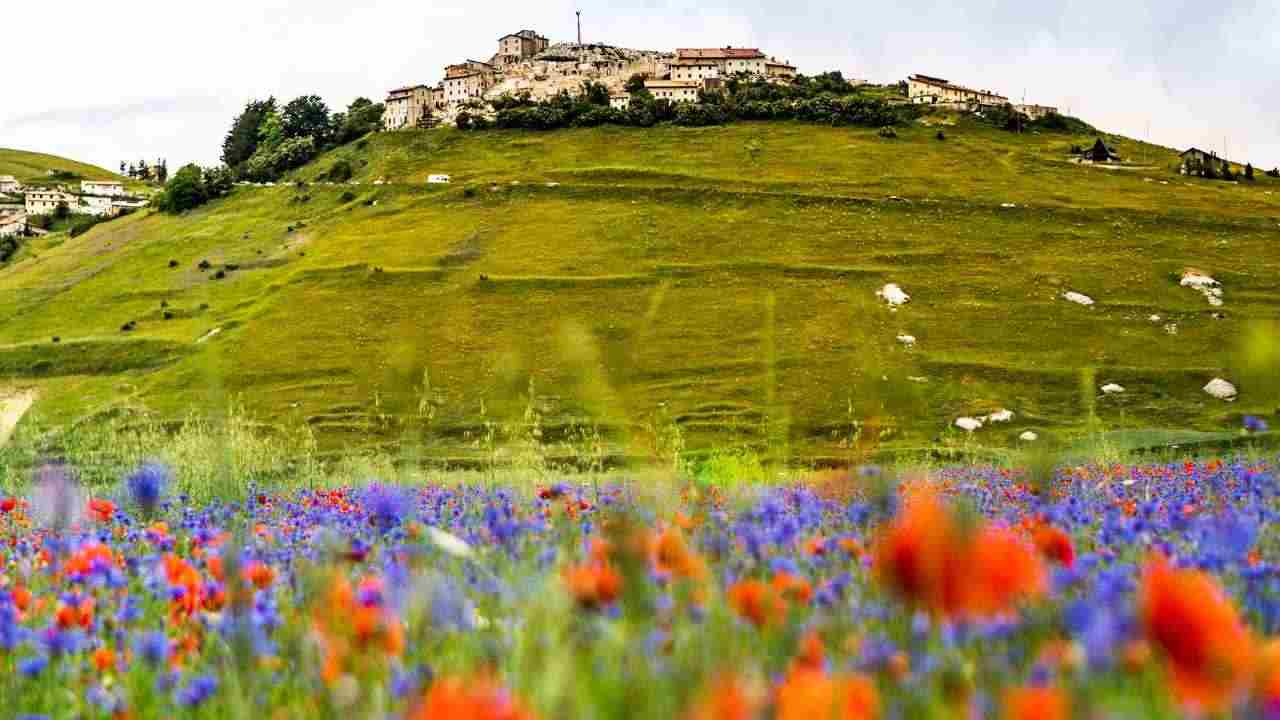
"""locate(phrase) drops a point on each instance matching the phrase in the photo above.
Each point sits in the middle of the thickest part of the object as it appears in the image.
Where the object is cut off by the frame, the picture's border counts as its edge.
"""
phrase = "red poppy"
(474, 699)
(1055, 544)
(7, 505)
(810, 694)
(759, 603)
(1207, 647)
(593, 585)
(101, 510)
(1036, 703)
(729, 698)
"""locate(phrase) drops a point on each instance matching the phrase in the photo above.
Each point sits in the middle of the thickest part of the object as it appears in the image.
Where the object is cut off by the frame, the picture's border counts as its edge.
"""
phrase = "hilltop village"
(526, 63)
(25, 208)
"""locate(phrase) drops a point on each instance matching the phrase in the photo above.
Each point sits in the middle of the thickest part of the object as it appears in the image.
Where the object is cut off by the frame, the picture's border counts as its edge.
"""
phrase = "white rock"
(968, 424)
(1008, 205)
(1077, 298)
(893, 295)
(1028, 436)
(1112, 389)
(1221, 389)
(918, 379)
(1000, 416)
(1194, 279)
(1155, 318)
(439, 179)
(553, 184)
(908, 340)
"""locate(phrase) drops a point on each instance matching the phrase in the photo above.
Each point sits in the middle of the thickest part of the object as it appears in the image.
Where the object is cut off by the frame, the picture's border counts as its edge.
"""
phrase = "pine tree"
(1248, 172)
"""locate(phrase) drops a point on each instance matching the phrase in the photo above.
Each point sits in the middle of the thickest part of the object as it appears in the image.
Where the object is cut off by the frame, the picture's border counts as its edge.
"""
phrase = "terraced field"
(722, 278)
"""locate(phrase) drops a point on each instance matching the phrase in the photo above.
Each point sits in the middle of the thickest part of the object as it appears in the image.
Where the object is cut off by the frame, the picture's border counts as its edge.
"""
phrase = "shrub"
(346, 196)
(941, 135)
(1274, 172)
(83, 224)
(340, 172)
(888, 132)
(700, 115)
(184, 191)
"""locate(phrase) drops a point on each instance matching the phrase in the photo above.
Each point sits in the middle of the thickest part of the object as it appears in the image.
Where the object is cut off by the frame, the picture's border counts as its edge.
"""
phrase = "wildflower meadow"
(1098, 591)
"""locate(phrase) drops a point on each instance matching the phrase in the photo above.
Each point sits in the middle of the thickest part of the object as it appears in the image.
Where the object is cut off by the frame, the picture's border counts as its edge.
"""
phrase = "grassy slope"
(33, 167)
(668, 266)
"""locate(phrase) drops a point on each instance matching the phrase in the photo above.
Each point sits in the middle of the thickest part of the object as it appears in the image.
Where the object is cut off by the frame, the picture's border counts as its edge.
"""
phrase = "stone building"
(13, 225)
(9, 184)
(696, 70)
(676, 91)
(929, 90)
(1036, 112)
(518, 47)
(1194, 160)
(620, 101)
(466, 81)
(729, 60)
(407, 107)
(778, 71)
(44, 201)
(104, 188)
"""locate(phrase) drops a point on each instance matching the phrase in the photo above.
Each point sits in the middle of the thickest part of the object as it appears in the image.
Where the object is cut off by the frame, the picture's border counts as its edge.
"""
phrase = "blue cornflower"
(1255, 424)
(197, 691)
(153, 647)
(147, 484)
(386, 505)
(33, 666)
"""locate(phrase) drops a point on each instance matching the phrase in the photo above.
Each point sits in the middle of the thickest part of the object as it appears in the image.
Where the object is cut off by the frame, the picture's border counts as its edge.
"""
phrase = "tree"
(635, 83)
(306, 116)
(184, 192)
(1248, 172)
(122, 168)
(1227, 173)
(162, 171)
(595, 93)
(363, 116)
(243, 137)
(1274, 172)
(144, 171)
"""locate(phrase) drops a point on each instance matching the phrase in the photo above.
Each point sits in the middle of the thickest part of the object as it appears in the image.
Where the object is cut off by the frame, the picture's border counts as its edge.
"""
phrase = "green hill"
(31, 167)
(723, 278)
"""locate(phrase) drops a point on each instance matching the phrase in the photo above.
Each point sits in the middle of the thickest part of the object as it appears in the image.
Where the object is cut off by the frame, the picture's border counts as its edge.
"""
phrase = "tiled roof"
(727, 53)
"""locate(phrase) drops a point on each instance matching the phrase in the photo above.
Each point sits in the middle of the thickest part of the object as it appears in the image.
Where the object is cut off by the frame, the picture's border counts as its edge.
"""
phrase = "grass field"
(721, 281)
(32, 167)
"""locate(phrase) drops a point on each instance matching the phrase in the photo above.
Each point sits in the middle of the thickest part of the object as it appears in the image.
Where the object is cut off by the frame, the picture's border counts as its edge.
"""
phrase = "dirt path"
(13, 405)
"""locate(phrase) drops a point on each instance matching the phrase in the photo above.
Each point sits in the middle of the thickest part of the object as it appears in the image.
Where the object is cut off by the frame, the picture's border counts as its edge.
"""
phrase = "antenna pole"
(579, 14)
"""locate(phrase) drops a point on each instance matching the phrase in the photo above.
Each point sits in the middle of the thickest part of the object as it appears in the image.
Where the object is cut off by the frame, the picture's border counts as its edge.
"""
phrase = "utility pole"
(579, 14)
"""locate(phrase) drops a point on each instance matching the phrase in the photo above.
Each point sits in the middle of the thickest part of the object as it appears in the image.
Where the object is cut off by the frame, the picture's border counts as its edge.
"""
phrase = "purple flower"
(195, 692)
(1255, 424)
(33, 666)
(147, 484)
(153, 647)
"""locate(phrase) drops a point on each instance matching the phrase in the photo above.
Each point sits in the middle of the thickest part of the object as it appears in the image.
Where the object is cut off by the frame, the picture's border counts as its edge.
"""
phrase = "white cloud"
(149, 78)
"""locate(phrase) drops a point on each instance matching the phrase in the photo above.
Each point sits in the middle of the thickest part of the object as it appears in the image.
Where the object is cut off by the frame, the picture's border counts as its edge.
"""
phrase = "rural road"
(13, 405)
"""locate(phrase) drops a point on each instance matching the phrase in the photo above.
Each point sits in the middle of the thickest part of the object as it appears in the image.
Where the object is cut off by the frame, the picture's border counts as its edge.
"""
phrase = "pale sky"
(109, 81)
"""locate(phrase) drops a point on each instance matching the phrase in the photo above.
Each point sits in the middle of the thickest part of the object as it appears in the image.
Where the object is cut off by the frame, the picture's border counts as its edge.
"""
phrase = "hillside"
(31, 167)
(724, 277)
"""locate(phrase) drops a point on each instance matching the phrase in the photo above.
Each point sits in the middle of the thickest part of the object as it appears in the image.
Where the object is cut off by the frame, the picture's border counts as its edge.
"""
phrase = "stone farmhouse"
(729, 60)
(45, 201)
(467, 81)
(929, 90)
(676, 91)
(9, 184)
(1194, 160)
(104, 188)
(408, 106)
(1036, 112)
(13, 225)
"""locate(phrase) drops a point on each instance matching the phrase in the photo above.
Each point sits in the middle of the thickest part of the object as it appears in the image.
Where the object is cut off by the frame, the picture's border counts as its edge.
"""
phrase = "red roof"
(727, 53)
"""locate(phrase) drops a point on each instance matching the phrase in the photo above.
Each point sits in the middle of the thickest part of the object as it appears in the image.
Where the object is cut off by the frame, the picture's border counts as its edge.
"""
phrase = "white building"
(106, 188)
(729, 60)
(620, 101)
(676, 91)
(1036, 112)
(696, 70)
(9, 184)
(11, 225)
(96, 205)
(929, 90)
(45, 202)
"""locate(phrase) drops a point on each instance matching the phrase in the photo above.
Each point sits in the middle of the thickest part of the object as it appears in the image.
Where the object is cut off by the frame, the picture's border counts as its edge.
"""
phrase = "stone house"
(105, 188)
(778, 71)
(1036, 112)
(518, 47)
(676, 91)
(696, 70)
(9, 184)
(466, 81)
(929, 90)
(13, 225)
(44, 201)
(405, 107)
(1195, 159)
(96, 205)
(730, 60)
(620, 101)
